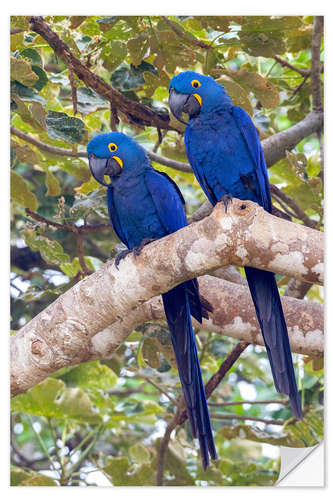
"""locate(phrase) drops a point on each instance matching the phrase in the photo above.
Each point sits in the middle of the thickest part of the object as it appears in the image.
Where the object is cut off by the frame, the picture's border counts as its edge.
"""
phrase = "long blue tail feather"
(177, 311)
(267, 302)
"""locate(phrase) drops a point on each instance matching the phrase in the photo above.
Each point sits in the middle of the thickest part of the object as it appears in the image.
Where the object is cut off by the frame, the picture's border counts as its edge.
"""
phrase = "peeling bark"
(245, 235)
(233, 316)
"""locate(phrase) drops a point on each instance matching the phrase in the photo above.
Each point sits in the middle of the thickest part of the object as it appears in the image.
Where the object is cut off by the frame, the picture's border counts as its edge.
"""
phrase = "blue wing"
(168, 200)
(114, 219)
(199, 172)
(251, 138)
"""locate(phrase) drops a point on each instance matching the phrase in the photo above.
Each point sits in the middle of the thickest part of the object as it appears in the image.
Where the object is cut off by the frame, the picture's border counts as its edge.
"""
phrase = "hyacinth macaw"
(144, 205)
(224, 151)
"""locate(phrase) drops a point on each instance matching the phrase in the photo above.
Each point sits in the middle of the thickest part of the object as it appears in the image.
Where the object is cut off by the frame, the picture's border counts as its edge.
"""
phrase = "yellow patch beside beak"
(198, 98)
(118, 160)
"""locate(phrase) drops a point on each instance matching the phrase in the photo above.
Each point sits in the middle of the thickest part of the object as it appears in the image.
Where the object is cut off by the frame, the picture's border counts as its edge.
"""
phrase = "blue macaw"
(224, 151)
(144, 205)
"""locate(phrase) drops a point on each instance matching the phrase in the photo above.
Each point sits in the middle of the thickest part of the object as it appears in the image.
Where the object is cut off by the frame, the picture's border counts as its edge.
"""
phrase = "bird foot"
(137, 250)
(227, 198)
(121, 255)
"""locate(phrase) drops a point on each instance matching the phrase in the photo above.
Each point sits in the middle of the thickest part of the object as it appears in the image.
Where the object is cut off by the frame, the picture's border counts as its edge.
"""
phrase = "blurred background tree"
(113, 422)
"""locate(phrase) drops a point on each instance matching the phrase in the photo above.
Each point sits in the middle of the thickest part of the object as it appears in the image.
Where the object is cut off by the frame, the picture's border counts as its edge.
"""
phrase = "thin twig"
(181, 415)
(247, 402)
(114, 120)
(73, 87)
(184, 36)
(158, 387)
(65, 227)
(317, 34)
(80, 254)
(215, 380)
(287, 64)
(163, 449)
(226, 416)
(300, 86)
(300, 214)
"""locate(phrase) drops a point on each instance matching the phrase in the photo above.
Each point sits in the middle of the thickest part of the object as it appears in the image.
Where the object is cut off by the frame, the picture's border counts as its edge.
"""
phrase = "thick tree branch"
(275, 146)
(245, 235)
(233, 316)
(137, 113)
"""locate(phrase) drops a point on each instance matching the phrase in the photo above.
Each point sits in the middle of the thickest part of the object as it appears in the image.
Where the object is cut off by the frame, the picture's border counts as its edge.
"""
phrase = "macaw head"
(114, 154)
(192, 93)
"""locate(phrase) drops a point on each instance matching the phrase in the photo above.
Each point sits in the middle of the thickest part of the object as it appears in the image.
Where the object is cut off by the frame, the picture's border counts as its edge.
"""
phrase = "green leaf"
(24, 153)
(40, 399)
(20, 192)
(38, 113)
(76, 21)
(253, 433)
(42, 77)
(50, 399)
(121, 474)
(22, 72)
(27, 93)
(20, 477)
(264, 90)
(71, 268)
(20, 22)
(131, 77)
(51, 251)
(139, 453)
(32, 55)
(88, 187)
(52, 184)
(66, 128)
(137, 48)
(150, 352)
(237, 94)
(113, 54)
(88, 101)
(93, 203)
(91, 375)
(16, 41)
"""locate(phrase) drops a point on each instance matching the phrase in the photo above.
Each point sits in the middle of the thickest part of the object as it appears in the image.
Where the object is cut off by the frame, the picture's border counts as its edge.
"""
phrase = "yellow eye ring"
(112, 147)
(195, 84)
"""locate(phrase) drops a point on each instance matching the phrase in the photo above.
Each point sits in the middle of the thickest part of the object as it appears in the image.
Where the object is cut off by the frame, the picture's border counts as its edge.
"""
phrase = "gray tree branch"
(244, 235)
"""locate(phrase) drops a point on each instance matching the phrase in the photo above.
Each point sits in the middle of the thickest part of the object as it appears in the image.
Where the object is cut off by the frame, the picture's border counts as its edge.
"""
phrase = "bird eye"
(196, 84)
(112, 147)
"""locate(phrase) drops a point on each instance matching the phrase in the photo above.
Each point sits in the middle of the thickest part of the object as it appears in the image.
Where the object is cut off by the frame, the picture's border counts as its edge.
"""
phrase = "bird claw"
(121, 255)
(137, 250)
(227, 198)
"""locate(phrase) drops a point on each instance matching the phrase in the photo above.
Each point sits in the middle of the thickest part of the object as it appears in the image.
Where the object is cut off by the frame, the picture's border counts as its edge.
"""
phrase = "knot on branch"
(236, 208)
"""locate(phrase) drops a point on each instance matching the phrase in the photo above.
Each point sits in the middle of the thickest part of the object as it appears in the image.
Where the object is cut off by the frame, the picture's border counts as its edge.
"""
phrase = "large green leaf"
(20, 192)
(51, 251)
(65, 127)
(264, 90)
(51, 399)
(91, 375)
(88, 101)
(22, 72)
(122, 474)
(20, 477)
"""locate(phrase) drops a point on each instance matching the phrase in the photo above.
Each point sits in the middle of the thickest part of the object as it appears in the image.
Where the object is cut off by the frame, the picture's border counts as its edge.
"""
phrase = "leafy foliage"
(102, 422)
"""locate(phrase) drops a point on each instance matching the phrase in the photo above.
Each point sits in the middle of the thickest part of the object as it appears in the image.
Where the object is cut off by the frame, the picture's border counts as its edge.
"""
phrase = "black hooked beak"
(104, 166)
(183, 103)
